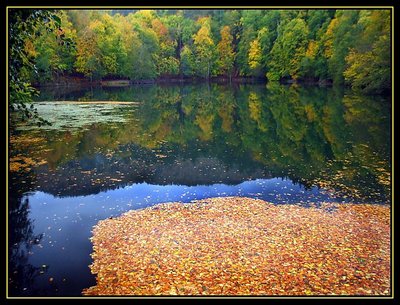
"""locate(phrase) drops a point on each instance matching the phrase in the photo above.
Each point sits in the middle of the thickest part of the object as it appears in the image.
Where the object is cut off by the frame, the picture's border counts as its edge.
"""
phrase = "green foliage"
(369, 62)
(249, 25)
(343, 46)
(204, 48)
(339, 38)
(288, 50)
(318, 21)
(88, 54)
(52, 57)
(25, 26)
(187, 61)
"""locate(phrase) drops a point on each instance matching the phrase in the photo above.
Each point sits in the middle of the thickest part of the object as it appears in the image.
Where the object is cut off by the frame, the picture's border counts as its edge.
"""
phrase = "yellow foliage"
(203, 37)
(255, 54)
(30, 48)
(310, 112)
(254, 106)
(312, 49)
(226, 114)
(205, 122)
(20, 162)
(225, 50)
(204, 21)
(329, 37)
(97, 26)
(146, 15)
(255, 109)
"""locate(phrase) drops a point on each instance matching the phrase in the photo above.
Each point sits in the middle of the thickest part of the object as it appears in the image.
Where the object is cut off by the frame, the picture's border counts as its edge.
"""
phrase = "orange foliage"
(242, 246)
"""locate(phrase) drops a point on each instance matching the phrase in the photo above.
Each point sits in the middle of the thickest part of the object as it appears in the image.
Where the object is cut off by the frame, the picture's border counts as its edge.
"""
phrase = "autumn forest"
(349, 47)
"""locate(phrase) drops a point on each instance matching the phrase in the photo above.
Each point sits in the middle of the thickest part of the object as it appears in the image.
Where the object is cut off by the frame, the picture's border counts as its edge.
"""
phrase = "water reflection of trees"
(21, 239)
(308, 134)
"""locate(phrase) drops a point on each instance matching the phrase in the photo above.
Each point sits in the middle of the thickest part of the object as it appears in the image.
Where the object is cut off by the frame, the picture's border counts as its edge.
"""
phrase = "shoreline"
(73, 81)
(83, 83)
(243, 246)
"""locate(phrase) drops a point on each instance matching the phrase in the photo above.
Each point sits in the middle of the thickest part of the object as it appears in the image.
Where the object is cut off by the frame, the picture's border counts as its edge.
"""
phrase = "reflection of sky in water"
(136, 196)
(67, 221)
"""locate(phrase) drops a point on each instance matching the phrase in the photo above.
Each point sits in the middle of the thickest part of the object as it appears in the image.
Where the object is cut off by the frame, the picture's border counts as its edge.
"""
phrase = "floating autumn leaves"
(242, 246)
(20, 162)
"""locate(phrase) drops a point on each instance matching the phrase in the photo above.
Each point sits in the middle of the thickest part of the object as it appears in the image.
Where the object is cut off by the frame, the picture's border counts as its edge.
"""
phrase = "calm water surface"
(154, 144)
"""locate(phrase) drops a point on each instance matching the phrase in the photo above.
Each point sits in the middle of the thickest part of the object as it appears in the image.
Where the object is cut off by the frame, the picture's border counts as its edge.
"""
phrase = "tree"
(174, 24)
(87, 59)
(339, 38)
(24, 25)
(340, 46)
(288, 50)
(226, 55)
(204, 48)
(165, 59)
(187, 61)
(318, 21)
(369, 62)
(255, 54)
(249, 26)
(166, 63)
(145, 66)
(266, 36)
(314, 65)
(52, 58)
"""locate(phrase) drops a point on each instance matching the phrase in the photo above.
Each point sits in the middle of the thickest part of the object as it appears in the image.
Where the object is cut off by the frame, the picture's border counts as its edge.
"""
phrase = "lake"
(110, 150)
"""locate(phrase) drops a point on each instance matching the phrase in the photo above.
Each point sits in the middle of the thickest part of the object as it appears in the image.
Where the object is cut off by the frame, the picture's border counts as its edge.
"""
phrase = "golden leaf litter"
(243, 246)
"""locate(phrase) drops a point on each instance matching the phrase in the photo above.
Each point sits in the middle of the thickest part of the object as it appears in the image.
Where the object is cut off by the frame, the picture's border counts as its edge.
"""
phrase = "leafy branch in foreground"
(24, 27)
